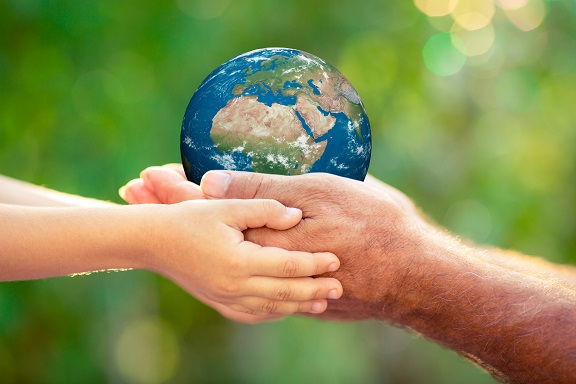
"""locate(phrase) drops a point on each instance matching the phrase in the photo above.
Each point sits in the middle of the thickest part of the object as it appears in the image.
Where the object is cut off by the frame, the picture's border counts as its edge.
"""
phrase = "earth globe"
(276, 110)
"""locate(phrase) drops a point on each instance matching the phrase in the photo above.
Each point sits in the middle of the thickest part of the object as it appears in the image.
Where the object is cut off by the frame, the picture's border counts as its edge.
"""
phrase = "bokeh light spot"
(441, 57)
(473, 14)
(435, 8)
(528, 17)
(147, 351)
(511, 4)
(473, 43)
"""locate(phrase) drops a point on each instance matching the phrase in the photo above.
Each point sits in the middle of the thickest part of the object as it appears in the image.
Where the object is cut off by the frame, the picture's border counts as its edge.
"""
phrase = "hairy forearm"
(21, 193)
(45, 242)
(518, 324)
(532, 265)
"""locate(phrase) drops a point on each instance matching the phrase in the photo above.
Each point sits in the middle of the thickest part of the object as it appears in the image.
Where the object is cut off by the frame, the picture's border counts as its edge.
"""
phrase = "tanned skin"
(514, 315)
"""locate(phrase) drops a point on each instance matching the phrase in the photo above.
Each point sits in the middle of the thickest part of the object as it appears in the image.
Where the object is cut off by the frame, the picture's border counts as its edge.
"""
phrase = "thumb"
(169, 185)
(250, 185)
(262, 213)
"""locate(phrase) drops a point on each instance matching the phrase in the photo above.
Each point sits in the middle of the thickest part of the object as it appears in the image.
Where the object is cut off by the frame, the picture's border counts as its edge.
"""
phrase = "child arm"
(199, 245)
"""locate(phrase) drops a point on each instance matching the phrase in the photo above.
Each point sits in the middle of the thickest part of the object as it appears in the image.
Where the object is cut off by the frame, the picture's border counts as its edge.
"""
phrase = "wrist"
(422, 272)
(156, 242)
(139, 232)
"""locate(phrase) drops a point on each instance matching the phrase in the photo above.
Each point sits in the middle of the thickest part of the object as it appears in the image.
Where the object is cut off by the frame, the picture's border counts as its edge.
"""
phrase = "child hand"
(161, 185)
(200, 246)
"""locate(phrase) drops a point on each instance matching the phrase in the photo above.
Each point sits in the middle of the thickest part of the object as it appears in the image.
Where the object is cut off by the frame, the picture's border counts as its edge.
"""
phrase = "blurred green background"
(472, 106)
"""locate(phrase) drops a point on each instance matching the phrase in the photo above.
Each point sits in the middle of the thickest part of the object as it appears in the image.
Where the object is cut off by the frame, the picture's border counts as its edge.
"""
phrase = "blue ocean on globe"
(276, 110)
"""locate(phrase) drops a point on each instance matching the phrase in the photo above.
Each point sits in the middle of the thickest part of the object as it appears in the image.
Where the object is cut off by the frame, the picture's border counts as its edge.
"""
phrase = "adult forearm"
(45, 242)
(532, 265)
(395, 267)
(520, 326)
(21, 193)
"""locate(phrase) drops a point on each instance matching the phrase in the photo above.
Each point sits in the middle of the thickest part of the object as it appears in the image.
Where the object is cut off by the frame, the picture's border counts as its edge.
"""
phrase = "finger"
(289, 240)
(134, 192)
(241, 317)
(159, 176)
(262, 213)
(259, 306)
(170, 186)
(296, 289)
(249, 185)
(278, 262)
(176, 167)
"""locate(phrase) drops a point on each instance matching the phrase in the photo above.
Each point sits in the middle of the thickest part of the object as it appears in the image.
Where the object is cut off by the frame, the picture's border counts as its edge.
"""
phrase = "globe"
(279, 111)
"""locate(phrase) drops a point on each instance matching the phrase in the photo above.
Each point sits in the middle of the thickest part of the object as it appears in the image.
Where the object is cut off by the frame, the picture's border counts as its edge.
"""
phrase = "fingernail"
(317, 307)
(333, 267)
(333, 294)
(215, 183)
(122, 192)
(292, 211)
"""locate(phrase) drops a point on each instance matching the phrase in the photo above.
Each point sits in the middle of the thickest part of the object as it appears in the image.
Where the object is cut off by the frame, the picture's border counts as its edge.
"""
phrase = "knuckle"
(272, 205)
(259, 188)
(290, 268)
(317, 293)
(249, 311)
(269, 306)
(239, 266)
(319, 266)
(303, 307)
(285, 293)
(225, 289)
(171, 196)
(267, 206)
(253, 187)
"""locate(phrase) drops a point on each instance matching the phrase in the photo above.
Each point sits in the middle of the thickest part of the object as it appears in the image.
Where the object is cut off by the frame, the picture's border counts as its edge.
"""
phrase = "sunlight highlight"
(434, 8)
(529, 16)
(511, 4)
(472, 33)
(473, 43)
(473, 14)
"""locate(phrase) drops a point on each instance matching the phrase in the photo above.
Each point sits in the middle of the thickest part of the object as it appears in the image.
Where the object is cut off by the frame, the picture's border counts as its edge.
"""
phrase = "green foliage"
(92, 92)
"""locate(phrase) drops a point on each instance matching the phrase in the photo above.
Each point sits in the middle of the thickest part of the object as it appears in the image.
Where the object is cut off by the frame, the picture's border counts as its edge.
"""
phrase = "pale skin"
(514, 315)
(198, 244)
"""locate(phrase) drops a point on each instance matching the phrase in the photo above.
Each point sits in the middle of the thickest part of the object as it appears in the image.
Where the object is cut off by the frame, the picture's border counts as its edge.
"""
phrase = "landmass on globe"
(276, 110)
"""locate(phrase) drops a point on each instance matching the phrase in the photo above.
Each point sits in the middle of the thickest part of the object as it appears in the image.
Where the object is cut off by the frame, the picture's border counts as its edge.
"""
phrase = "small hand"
(168, 184)
(160, 185)
(202, 248)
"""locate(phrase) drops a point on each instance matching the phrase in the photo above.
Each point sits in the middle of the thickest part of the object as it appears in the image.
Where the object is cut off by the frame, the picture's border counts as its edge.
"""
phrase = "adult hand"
(339, 216)
(511, 319)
